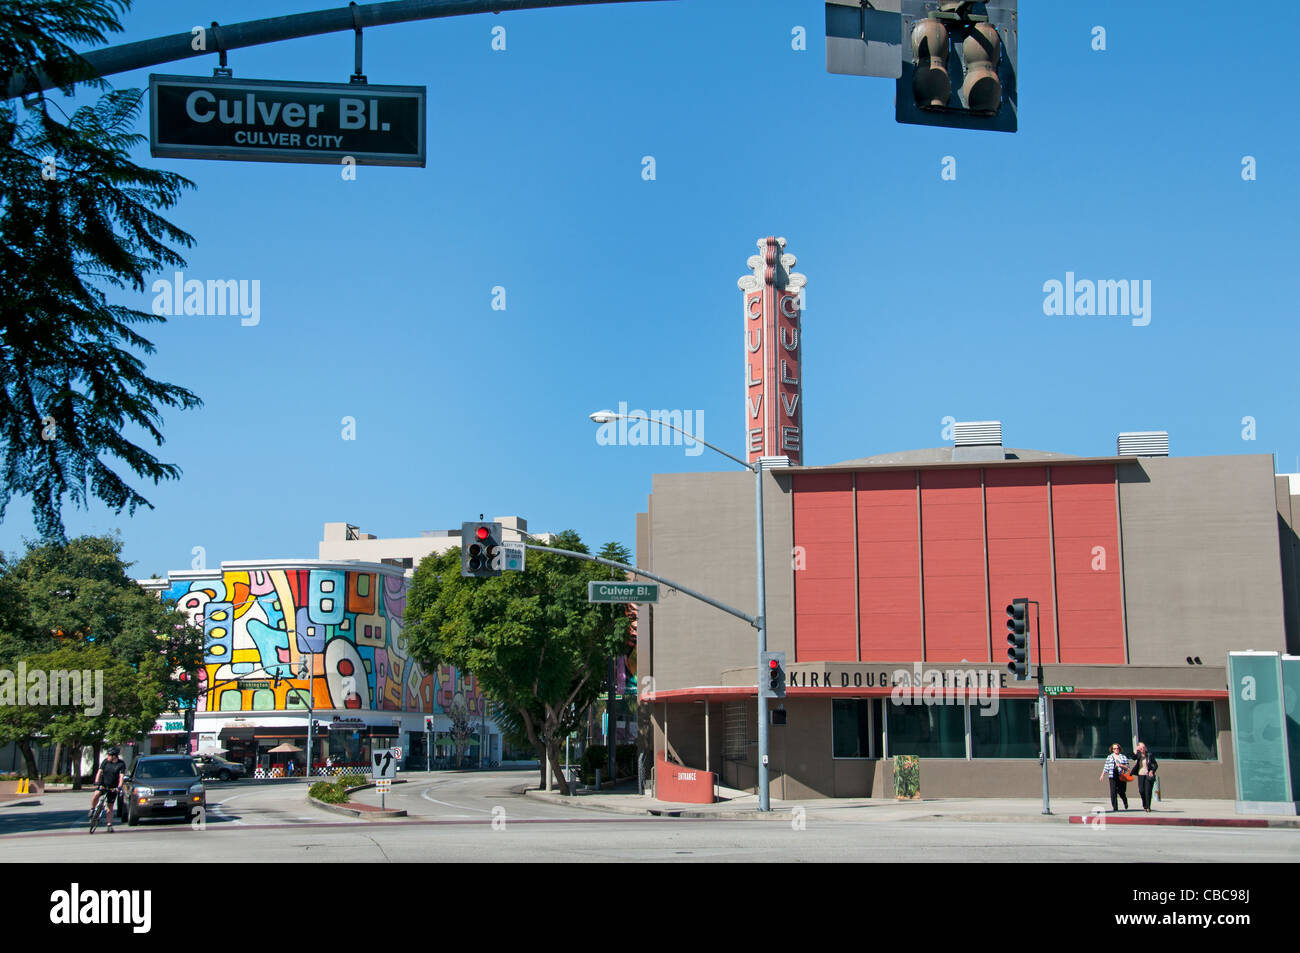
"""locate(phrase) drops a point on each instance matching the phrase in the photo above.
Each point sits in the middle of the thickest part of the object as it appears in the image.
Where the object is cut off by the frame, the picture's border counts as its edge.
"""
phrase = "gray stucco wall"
(1201, 558)
(701, 534)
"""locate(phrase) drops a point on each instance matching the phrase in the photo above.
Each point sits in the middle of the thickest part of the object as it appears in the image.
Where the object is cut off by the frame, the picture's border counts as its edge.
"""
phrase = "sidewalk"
(741, 805)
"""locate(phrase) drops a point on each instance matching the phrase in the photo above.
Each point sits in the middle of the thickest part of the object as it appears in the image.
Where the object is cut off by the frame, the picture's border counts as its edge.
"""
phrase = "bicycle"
(102, 814)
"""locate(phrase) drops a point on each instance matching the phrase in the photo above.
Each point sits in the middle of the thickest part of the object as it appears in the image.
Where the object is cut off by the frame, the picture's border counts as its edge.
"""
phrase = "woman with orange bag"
(1116, 769)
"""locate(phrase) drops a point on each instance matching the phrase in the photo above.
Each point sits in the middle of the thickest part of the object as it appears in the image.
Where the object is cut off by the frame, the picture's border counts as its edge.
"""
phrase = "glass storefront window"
(1011, 733)
(1179, 731)
(1086, 729)
(850, 728)
(927, 731)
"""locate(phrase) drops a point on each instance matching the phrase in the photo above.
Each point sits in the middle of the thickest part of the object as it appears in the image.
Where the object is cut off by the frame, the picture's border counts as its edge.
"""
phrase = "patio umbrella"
(286, 748)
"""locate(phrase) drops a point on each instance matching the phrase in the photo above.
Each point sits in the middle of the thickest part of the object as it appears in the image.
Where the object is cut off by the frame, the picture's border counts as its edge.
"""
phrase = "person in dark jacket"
(1144, 769)
(1115, 767)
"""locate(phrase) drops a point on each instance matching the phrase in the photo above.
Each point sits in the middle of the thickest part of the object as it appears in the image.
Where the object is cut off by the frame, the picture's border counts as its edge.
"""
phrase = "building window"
(851, 728)
(1087, 729)
(736, 737)
(927, 731)
(1011, 733)
(1178, 731)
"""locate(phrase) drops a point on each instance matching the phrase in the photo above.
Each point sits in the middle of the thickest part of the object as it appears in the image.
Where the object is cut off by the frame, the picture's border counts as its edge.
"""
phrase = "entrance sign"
(623, 592)
(194, 117)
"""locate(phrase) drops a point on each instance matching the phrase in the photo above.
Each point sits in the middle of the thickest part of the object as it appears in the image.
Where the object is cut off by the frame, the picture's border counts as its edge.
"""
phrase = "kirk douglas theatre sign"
(193, 117)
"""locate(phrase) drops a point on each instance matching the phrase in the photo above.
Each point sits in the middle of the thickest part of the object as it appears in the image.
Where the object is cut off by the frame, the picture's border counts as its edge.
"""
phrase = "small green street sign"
(622, 592)
(1058, 689)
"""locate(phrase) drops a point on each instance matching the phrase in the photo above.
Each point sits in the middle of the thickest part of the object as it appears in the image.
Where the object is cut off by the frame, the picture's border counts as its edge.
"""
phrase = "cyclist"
(108, 781)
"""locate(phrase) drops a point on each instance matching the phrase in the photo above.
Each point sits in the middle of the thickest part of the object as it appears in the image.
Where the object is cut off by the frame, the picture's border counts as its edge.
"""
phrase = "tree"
(77, 219)
(531, 639)
(461, 730)
(77, 597)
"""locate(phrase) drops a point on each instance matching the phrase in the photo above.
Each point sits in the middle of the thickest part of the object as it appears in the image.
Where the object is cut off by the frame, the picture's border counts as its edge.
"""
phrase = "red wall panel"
(825, 622)
(1020, 555)
(952, 556)
(889, 566)
(1085, 527)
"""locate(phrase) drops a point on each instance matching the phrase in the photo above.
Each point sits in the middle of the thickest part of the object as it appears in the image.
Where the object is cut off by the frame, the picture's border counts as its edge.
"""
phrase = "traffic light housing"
(771, 677)
(1018, 638)
(480, 550)
(959, 64)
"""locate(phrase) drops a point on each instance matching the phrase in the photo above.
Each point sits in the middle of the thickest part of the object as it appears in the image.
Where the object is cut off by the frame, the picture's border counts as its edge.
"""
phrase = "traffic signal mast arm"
(649, 575)
(180, 46)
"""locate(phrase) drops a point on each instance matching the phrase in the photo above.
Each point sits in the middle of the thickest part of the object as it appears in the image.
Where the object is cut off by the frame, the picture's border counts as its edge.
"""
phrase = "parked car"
(215, 766)
(162, 786)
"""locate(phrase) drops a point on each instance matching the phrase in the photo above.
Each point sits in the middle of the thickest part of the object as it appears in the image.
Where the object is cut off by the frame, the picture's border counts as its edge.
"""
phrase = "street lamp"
(760, 616)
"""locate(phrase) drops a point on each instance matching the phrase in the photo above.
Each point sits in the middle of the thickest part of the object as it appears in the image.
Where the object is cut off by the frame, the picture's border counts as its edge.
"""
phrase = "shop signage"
(347, 724)
(168, 726)
(957, 676)
(198, 117)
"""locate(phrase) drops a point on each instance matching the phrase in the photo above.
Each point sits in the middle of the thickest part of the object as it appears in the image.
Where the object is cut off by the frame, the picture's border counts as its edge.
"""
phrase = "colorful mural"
(345, 625)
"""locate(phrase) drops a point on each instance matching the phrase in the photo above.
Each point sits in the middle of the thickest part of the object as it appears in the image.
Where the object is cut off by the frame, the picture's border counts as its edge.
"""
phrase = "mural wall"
(344, 625)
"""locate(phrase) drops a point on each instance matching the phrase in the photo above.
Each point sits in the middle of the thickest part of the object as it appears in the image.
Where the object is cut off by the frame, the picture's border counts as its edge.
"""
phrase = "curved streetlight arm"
(612, 416)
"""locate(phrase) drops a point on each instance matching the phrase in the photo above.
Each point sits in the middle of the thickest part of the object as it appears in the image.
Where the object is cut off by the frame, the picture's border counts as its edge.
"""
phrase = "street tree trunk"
(557, 769)
(29, 758)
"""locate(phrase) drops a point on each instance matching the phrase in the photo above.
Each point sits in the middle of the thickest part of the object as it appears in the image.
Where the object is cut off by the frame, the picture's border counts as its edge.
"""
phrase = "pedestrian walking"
(1115, 769)
(1145, 765)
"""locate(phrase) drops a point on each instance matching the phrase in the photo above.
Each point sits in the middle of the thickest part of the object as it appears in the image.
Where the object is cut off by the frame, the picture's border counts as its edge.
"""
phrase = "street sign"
(512, 557)
(1058, 689)
(196, 117)
(384, 764)
(623, 592)
(384, 786)
(397, 753)
(864, 40)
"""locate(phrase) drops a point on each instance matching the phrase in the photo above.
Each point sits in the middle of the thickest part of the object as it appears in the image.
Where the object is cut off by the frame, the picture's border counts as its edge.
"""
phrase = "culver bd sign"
(193, 117)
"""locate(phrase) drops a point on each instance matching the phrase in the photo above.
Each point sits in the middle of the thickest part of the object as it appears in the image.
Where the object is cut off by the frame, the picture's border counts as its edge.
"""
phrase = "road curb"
(1105, 820)
(343, 809)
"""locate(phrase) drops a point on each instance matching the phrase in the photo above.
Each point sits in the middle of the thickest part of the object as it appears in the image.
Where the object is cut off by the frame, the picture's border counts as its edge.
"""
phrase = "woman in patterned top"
(1115, 767)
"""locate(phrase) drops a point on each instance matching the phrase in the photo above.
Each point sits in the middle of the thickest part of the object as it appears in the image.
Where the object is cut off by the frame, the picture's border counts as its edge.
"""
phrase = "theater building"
(891, 571)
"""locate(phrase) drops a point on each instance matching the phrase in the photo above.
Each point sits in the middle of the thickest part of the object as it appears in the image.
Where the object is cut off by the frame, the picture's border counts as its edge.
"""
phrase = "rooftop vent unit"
(977, 440)
(1146, 443)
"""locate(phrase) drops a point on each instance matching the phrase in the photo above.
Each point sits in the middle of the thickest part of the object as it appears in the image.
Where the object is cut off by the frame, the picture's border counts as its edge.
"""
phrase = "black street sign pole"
(1042, 707)
(180, 46)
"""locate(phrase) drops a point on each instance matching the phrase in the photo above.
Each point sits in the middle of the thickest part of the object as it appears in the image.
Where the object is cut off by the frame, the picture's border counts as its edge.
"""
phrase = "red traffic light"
(772, 663)
(481, 532)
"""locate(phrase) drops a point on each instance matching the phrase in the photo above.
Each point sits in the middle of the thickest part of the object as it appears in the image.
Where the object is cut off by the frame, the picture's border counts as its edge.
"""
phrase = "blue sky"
(925, 296)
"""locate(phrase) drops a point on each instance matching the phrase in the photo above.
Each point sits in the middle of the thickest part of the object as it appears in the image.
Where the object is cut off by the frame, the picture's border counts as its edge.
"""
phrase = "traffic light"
(959, 64)
(771, 677)
(1018, 638)
(480, 549)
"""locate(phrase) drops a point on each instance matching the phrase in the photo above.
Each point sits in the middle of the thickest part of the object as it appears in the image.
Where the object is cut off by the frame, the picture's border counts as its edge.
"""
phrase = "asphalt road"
(479, 817)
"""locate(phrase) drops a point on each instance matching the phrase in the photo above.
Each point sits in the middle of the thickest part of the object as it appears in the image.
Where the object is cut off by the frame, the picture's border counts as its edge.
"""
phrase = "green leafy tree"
(77, 596)
(531, 639)
(78, 220)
